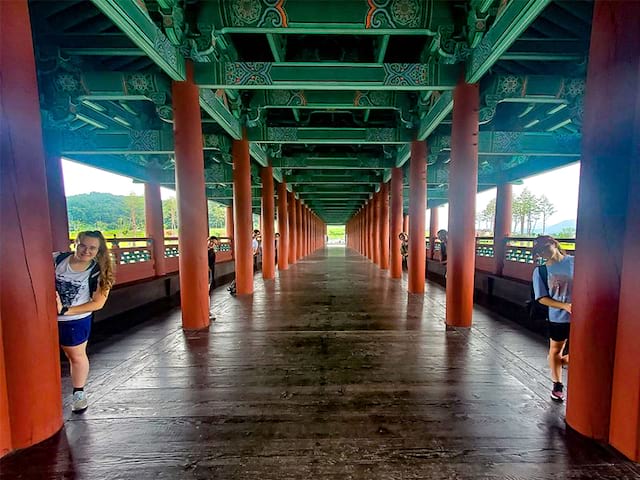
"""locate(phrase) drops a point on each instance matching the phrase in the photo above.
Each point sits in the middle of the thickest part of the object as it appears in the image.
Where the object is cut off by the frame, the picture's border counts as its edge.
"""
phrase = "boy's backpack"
(537, 311)
(94, 276)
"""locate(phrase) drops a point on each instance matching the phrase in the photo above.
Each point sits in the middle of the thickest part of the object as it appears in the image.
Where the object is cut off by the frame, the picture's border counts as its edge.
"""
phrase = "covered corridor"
(332, 370)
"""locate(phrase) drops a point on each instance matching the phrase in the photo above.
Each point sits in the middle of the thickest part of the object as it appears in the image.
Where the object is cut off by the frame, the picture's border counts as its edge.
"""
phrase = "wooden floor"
(330, 371)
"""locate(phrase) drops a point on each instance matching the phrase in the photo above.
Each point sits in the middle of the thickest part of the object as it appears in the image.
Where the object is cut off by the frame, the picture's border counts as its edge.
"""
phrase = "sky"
(79, 178)
(560, 186)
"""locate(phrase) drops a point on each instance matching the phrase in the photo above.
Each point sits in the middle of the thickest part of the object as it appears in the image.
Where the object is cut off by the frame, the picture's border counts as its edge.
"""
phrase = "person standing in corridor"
(552, 286)
(83, 281)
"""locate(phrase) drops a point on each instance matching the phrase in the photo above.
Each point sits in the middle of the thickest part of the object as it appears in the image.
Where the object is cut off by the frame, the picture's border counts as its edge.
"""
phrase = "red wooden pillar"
(463, 186)
(370, 221)
(192, 204)
(299, 235)
(57, 200)
(5, 428)
(283, 227)
(307, 218)
(365, 232)
(396, 222)
(375, 224)
(624, 432)
(303, 228)
(229, 221)
(365, 219)
(417, 211)
(608, 145)
(384, 226)
(361, 231)
(154, 225)
(311, 239)
(268, 215)
(293, 229)
(502, 224)
(405, 224)
(30, 392)
(243, 216)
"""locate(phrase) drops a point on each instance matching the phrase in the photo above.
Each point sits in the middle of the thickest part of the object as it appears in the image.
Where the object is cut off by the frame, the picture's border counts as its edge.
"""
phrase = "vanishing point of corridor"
(330, 371)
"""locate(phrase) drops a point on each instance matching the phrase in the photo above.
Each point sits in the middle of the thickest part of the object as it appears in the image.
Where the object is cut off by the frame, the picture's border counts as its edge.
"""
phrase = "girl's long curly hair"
(103, 258)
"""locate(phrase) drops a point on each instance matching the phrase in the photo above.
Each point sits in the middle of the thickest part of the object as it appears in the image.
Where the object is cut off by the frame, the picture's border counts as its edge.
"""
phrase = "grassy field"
(335, 232)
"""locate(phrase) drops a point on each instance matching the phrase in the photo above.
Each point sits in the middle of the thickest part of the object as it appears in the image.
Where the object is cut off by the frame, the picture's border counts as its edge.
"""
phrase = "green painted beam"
(310, 135)
(131, 142)
(213, 104)
(322, 179)
(132, 18)
(339, 99)
(517, 143)
(353, 162)
(441, 107)
(381, 48)
(331, 17)
(324, 189)
(512, 21)
(533, 90)
(260, 155)
(333, 198)
(546, 50)
(326, 76)
(277, 46)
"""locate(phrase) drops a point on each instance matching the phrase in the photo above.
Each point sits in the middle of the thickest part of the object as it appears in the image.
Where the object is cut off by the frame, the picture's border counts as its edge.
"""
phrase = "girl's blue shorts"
(74, 332)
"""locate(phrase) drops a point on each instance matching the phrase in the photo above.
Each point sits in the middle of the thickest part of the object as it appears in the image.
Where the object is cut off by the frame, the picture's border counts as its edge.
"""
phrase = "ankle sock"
(80, 389)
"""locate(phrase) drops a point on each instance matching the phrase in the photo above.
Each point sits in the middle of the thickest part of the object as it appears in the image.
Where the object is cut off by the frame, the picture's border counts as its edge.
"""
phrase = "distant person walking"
(552, 286)
(83, 281)
(256, 247)
(212, 248)
(404, 249)
(443, 236)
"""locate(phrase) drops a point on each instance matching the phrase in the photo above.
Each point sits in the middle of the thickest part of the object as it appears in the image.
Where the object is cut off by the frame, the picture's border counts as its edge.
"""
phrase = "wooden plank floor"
(330, 371)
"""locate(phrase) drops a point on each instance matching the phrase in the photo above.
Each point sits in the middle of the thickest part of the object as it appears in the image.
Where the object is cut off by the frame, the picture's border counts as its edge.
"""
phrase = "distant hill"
(557, 227)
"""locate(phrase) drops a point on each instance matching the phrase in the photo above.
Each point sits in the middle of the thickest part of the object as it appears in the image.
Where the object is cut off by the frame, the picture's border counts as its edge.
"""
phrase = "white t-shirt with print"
(73, 288)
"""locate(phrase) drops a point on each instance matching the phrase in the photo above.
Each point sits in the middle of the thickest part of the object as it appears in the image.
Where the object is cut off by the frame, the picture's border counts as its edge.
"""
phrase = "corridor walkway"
(330, 371)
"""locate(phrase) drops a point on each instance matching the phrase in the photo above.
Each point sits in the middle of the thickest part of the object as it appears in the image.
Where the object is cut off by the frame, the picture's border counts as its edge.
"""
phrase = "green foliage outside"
(529, 212)
(124, 216)
(335, 232)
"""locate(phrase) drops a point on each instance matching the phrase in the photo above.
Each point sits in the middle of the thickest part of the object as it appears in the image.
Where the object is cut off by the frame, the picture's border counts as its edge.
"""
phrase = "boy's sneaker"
(557, 393)
(79, 402)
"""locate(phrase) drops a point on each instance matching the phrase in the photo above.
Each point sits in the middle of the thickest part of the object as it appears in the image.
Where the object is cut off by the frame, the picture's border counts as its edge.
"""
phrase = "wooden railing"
(518, 259)
(133, 257)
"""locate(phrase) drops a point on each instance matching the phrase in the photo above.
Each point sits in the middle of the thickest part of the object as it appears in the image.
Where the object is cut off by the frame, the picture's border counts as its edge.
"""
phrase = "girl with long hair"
(83, 281)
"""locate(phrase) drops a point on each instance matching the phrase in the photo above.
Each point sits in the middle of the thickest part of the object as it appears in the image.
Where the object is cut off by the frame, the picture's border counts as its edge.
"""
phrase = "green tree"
(525, 211)
(170, 213)
(217, 215)
(487, 216)
(546, 210)
(567, 232)
(135, 208)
